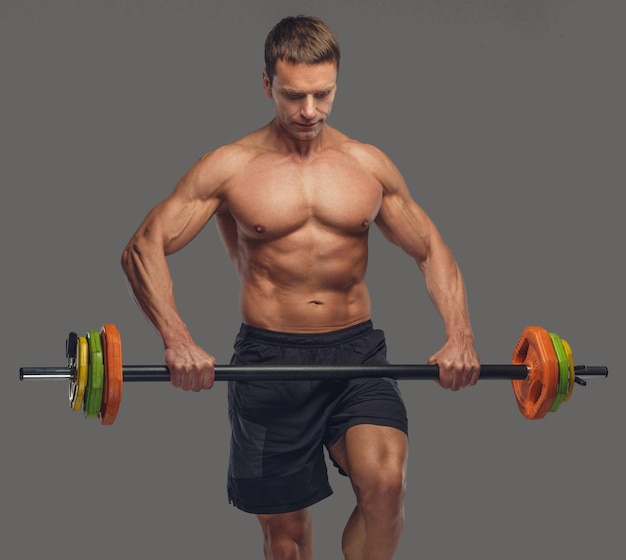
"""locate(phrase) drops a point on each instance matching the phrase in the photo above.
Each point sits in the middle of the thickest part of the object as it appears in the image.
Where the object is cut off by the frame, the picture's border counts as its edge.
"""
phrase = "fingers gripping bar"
(542, 372)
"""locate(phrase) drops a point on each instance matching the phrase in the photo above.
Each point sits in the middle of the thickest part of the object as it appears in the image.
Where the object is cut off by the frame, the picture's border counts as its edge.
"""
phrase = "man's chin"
(306, 133)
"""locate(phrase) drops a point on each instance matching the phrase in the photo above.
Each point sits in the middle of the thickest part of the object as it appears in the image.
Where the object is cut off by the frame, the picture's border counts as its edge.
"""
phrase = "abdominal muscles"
(310, 281)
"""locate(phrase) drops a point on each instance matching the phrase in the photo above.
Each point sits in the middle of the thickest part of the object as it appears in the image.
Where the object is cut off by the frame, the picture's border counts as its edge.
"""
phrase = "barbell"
(542, 372)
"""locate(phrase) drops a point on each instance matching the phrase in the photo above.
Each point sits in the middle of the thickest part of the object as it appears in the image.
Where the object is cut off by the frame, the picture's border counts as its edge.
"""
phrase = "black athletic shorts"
(280, 428)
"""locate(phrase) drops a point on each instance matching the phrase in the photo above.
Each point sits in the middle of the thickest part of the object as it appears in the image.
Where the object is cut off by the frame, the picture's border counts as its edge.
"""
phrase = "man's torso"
(297, 231)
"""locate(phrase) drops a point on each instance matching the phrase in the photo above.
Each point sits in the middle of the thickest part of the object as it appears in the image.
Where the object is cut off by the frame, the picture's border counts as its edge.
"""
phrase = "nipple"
(259, 229)
(365, 224)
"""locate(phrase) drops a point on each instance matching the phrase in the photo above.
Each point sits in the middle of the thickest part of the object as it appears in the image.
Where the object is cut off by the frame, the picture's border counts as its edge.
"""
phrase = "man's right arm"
(167, 228)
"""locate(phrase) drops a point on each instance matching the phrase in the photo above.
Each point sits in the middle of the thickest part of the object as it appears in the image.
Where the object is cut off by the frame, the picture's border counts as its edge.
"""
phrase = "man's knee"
(383, 486)
(380, 480)
(287, 535)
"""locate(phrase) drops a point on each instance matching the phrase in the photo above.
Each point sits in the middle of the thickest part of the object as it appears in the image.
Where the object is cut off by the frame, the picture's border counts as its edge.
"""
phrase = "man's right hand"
(190, 367)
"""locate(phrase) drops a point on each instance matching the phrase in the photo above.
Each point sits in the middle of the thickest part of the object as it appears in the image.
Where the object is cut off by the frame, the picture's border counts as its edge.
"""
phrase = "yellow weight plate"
(79, 383)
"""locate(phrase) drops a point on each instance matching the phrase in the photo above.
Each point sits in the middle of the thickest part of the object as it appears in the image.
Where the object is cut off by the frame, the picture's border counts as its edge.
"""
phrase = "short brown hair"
(300, 40)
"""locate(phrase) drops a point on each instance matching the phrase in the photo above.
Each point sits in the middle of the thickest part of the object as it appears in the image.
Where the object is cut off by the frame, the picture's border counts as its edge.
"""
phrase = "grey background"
(507, 120)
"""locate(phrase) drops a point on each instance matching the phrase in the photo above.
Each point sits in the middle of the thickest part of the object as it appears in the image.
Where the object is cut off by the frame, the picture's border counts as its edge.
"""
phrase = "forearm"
(150, 282)
(446, 288)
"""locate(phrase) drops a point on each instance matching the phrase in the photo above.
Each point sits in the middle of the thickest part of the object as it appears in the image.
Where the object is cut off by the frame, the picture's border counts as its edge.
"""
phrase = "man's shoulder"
(373, 160)
(232, 156)
(365, 154)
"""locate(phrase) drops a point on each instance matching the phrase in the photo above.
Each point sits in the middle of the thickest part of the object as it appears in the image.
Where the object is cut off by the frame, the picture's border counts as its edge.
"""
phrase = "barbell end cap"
(70, 346)
(589, 372)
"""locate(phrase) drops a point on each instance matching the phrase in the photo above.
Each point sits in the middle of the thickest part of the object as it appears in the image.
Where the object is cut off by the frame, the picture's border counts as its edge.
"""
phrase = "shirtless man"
(294, 202)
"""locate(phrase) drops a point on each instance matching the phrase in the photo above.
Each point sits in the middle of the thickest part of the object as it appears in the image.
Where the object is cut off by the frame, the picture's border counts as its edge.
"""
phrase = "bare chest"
(280, 198)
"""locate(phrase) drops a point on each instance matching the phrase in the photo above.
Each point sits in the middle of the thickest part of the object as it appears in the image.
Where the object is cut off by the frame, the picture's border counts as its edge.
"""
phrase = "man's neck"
(299, 147)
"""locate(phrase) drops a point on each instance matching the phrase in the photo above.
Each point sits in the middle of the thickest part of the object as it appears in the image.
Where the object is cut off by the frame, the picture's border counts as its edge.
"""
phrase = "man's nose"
(308, 108)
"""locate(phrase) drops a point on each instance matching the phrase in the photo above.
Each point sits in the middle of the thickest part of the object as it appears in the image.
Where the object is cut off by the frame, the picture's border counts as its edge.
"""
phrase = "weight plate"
(113, 373)
(79, 382)
(535, 394)
(572, 369)
(95, 382)
(563, 372)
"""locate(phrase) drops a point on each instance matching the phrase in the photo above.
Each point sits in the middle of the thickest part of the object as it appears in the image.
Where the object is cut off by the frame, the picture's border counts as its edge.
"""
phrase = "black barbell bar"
(136, 373)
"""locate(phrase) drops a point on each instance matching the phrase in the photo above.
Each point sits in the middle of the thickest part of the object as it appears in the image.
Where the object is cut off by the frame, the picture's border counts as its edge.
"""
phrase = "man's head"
(300, 40)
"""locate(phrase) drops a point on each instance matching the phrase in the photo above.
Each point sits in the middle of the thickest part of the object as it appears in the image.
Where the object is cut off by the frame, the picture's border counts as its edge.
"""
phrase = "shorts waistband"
(306, 339)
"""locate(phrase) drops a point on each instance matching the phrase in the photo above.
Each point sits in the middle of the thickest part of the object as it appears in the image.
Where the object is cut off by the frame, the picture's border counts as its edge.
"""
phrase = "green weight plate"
(95, 383)
(563, 372)
(572, 369)
(564, 367)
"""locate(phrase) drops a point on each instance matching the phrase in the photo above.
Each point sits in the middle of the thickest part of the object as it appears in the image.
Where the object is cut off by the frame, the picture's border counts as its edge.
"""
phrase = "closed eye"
(293, 95)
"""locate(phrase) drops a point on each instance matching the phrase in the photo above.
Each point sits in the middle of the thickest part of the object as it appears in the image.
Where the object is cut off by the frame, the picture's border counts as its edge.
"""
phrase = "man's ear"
(267, 85)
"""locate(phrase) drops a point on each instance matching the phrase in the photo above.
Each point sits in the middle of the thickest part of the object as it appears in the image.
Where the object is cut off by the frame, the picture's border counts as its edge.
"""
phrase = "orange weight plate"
(537, 392)
(113, 373)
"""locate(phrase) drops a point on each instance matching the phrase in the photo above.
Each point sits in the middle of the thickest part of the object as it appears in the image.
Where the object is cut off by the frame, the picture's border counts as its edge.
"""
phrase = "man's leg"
(287, 536)
(374, 457)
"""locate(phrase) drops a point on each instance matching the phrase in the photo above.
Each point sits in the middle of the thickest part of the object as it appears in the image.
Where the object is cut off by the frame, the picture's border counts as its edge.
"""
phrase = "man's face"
(302, 95)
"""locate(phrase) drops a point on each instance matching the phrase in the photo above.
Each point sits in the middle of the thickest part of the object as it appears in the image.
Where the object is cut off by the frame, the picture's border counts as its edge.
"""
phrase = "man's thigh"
(367, 450)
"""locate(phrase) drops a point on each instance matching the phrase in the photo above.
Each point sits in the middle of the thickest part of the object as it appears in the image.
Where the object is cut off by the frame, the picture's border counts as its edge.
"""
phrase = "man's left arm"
(404, 223)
